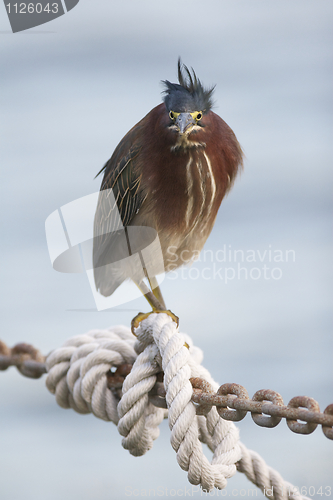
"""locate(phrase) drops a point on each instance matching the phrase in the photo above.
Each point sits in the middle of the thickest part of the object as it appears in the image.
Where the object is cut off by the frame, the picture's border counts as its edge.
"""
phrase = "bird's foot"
(141, 316)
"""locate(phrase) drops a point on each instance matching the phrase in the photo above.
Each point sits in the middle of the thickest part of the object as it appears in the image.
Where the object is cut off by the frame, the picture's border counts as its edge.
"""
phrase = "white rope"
(77, 375)
(77, 371)
(267, 479)
(164, 347)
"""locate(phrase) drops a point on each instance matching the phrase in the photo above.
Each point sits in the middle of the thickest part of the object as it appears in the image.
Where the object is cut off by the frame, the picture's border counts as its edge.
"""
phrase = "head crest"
(189, 94)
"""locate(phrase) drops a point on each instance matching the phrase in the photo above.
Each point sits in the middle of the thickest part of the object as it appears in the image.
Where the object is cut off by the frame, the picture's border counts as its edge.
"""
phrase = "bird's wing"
(121, 195)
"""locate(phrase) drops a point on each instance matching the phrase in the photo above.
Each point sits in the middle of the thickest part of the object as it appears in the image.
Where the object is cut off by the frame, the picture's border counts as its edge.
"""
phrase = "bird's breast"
(183, 197)
(200, 191)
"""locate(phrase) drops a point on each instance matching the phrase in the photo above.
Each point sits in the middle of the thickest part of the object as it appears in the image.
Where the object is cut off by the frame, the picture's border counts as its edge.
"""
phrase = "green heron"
(170, 172)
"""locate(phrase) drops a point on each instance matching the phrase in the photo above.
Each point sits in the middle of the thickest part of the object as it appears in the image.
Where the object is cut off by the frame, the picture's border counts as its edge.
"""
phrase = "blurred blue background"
(70, 90)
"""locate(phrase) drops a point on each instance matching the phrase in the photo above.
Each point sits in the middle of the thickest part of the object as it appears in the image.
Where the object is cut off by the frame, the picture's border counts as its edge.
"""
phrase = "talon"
(137, 320)
(172, 316)
(141, 316)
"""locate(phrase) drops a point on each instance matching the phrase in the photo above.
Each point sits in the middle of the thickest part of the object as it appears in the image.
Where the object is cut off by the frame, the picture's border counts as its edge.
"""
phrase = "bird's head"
(187, 102)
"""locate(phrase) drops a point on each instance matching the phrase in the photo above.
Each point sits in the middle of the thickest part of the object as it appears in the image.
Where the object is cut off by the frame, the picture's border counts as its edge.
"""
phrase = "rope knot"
(161, 346)
(78, 372)
(118, 377)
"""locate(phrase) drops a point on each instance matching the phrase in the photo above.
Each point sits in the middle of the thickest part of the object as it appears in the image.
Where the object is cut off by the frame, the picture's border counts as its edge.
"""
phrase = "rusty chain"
(28, 360)
(232, 403)
(231, 400)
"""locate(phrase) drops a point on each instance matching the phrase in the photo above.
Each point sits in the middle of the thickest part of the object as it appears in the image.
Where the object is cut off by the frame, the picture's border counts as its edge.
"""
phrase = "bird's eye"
(172, 115)
(199, 116)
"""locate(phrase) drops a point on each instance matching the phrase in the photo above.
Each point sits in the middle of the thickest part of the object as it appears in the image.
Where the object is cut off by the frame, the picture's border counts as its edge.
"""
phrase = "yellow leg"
(155, 304)
(152, 299)
(156, 290)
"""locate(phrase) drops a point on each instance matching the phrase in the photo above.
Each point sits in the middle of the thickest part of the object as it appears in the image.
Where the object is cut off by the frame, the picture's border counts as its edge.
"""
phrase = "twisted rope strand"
(77, 372)
(87, 375)
(31, 363)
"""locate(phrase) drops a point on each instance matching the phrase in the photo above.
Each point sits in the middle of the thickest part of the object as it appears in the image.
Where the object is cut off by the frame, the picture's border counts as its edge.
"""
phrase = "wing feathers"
(122, 180)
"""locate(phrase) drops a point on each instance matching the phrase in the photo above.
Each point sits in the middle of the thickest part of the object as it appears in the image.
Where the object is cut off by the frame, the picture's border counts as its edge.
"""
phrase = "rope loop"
(117, 377)
(78, 371)
(171, 354)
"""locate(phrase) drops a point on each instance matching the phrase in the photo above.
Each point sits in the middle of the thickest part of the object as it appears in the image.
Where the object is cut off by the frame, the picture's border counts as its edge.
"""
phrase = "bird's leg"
(156, 290)
(151, 297)
(154, 303)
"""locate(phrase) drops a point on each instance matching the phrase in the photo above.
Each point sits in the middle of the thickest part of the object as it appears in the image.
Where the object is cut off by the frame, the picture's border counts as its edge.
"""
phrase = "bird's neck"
(184, 143)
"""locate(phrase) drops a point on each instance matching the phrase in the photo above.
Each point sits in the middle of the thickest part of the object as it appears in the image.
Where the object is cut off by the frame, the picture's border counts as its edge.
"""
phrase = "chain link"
(28, 360)
(232, 403)
(231, 400)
